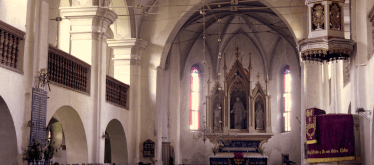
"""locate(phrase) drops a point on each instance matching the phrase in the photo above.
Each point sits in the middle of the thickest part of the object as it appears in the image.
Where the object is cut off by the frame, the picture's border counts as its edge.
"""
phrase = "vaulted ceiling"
(252, 19)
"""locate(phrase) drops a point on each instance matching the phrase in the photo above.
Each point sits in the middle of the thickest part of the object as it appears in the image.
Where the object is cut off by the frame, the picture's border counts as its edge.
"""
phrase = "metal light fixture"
(363, 112)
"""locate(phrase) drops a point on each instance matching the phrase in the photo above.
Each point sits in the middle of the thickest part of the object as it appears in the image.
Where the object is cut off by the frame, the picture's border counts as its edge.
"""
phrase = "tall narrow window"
(287, 99)
(194, 98)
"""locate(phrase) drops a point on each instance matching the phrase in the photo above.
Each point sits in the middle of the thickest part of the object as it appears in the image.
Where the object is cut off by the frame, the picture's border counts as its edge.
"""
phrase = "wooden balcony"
(117, 92)
(68, 71)
(10, 38)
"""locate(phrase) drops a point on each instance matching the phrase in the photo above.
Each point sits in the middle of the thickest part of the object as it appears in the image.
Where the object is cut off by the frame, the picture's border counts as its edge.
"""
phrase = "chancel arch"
(115, 143)
(262, 48)
(8, 138)
(74, 134)
(282, 20)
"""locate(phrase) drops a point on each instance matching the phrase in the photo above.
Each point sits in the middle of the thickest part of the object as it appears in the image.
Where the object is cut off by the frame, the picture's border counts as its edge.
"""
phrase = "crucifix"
(258, 76)
(237, 53)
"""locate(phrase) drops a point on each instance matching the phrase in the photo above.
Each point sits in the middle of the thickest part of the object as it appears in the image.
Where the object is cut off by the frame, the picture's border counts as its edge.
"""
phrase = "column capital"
(127, 43)
(89, 19)
(127, 50)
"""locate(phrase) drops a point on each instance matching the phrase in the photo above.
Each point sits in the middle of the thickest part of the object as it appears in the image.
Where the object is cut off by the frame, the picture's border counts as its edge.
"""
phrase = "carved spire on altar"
(237, 53)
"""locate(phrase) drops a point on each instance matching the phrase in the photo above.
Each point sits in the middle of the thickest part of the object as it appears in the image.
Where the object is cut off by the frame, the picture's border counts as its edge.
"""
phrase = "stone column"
(175, 106)
(40, 36)
(325, 88)
(160, 113)
(88, 43)
(313, 85)
(127, 59)
(361, 59)
(36, 53)
(337, 86)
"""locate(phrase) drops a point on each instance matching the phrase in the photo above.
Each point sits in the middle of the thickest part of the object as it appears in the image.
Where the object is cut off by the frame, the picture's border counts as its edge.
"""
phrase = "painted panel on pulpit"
(238, 110)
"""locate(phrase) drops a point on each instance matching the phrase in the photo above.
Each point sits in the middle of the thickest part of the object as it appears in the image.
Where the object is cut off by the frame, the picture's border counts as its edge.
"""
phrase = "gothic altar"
(238, 112)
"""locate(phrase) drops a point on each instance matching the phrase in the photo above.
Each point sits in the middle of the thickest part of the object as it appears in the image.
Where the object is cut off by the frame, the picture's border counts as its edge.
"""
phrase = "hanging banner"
(38, 116)
(335, 139)
(311, 124)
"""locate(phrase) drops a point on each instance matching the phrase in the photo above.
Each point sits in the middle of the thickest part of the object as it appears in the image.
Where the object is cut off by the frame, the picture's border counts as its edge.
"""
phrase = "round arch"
(8, 137)
(74, 133)
(115, 143)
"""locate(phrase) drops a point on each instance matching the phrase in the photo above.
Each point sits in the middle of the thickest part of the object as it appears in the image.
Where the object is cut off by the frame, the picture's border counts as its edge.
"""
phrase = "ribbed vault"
(253, 19)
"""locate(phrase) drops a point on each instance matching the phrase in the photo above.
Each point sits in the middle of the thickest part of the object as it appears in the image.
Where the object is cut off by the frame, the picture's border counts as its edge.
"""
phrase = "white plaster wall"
(16, 90)
(288, 142)
(15, 96)
(175, 101)
(14, 13)
(246, 46)
(148, 110)
(194, 151)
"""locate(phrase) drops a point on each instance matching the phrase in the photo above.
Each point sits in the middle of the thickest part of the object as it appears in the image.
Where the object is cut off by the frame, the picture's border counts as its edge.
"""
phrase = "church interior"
(187, 82)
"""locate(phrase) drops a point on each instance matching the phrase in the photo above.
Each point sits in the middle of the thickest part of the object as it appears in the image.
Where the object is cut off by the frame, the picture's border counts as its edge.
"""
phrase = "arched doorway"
(8, 137)
(115, 143)
(55, 135)
(68, 133)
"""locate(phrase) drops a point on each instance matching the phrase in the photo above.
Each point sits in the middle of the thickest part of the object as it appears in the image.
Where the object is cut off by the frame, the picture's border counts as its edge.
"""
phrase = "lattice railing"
(10, 38)
(68, 71)
(116, 92)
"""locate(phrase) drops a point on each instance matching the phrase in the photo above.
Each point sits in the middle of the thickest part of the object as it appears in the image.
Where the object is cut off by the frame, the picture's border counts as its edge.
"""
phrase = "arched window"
(194, 98)
(287, 99)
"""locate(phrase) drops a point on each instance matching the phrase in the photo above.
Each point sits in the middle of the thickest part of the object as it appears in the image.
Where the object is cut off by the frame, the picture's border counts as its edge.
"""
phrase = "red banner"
(311, 124)
(335, 139)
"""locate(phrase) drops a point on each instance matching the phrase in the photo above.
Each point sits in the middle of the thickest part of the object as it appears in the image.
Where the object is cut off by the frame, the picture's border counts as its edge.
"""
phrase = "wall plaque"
(149, 148)
(38, 116)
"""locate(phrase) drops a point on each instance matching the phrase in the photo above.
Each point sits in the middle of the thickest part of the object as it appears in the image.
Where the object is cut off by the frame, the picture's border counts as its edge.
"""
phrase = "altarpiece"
(236, 112)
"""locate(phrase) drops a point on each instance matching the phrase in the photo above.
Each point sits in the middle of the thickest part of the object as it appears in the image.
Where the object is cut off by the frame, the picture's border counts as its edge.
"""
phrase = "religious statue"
(217, 117)
(259, 117)
(239, 114)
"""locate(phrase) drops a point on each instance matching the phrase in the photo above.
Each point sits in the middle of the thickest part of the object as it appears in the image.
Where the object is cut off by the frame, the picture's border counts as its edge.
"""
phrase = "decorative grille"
(10, 38)
(116, 92)
(68, 71)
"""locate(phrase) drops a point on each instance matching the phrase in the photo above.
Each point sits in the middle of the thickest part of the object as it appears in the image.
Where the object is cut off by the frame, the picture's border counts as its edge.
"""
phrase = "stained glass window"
(194, 99)
(287, 99)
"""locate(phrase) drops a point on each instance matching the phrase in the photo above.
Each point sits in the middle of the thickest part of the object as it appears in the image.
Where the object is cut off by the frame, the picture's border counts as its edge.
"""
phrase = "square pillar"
(88, 26)
(127, 68)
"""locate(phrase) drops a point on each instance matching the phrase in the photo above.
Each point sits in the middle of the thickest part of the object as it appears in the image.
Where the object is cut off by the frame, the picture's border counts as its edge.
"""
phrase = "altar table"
(248, 160)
